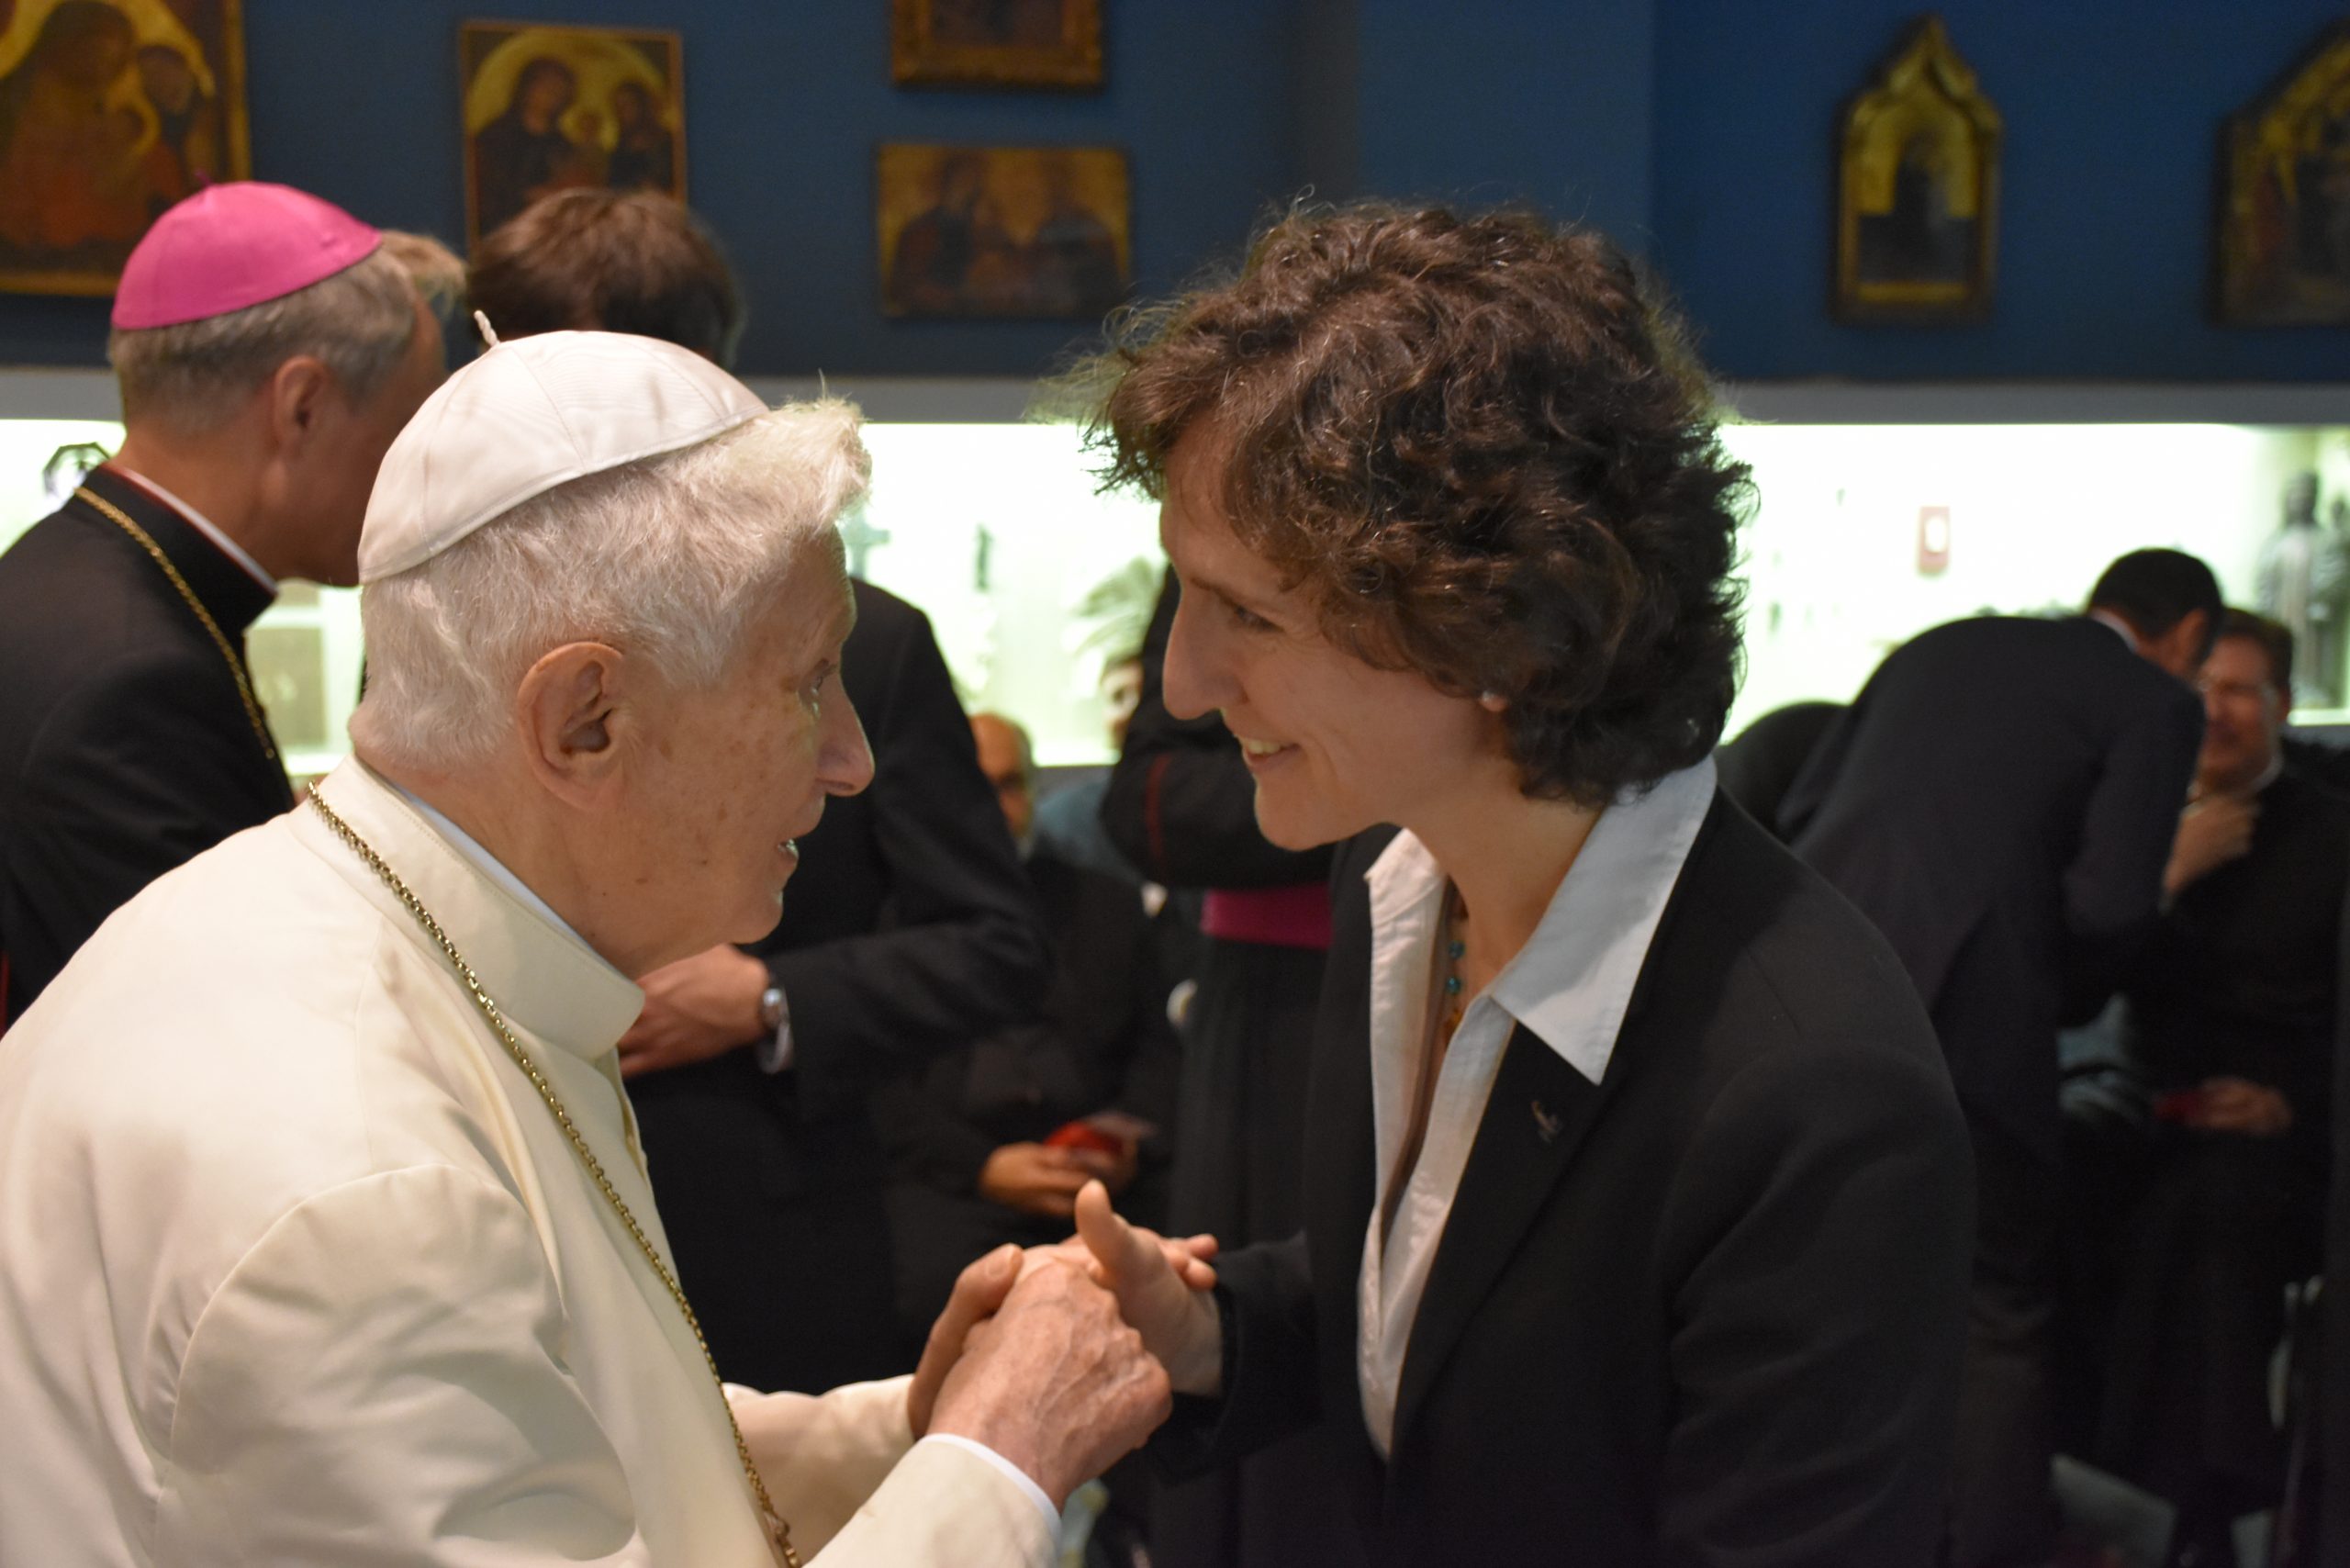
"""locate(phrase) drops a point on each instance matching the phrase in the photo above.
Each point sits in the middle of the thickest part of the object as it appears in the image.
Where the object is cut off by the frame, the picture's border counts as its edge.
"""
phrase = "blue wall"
(1488, 101)
(1701, 131)
(2112, 122)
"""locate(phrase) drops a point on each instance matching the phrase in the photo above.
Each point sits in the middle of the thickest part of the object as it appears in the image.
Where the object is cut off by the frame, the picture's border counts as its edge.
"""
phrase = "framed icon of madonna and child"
(549, 107)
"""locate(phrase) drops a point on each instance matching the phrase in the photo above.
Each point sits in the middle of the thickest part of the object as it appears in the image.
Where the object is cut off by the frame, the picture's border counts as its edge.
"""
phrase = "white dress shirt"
(1570, 985)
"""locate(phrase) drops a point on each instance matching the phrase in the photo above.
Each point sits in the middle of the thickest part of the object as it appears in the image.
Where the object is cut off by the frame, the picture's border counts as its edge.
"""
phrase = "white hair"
(359, 322)
(670, 559)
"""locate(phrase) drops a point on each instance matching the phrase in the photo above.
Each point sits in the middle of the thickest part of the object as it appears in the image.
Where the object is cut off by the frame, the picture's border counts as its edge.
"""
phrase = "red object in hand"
(1083, 1134)
(2183, 1106)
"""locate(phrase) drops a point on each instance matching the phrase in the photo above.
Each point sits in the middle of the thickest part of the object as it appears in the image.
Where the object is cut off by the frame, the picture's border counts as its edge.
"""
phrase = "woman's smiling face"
(1335, 745)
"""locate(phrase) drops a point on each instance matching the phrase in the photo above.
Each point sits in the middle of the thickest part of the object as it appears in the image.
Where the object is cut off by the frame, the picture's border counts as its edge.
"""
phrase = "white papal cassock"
(297, 1268)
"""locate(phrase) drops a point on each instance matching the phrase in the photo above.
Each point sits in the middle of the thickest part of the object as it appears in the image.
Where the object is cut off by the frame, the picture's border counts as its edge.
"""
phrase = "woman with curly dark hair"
(1637, 1207)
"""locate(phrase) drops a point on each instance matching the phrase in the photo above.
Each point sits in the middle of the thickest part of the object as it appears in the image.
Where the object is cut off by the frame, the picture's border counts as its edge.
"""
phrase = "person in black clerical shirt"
(2193, 1217)
(909, 928)
(269, 347)
(1999, 801)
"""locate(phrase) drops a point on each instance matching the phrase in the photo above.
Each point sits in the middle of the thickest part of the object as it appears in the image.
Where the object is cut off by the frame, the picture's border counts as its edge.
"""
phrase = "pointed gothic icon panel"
(2285, 197)
(1919, 182)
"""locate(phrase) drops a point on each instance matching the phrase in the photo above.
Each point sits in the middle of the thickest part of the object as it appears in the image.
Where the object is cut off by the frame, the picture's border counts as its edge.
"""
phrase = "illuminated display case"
(1867, 527)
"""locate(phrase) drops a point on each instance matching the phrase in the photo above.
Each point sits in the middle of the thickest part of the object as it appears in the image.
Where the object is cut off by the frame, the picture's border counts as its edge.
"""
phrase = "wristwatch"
(772, 1011)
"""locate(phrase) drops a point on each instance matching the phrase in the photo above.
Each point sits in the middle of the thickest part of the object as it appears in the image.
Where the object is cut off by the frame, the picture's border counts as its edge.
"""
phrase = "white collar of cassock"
(542, 977)
(202, 524)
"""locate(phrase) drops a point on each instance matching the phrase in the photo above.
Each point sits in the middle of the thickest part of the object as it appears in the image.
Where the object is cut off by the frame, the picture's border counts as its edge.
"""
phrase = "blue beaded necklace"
(1456, 1002)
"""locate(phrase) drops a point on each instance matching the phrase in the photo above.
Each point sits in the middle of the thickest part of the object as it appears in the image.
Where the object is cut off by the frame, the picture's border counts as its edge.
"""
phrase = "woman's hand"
(1162, 1289)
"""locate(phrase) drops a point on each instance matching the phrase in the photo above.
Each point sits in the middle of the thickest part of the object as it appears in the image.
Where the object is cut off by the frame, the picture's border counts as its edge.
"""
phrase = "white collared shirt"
(1571, 984)
(2118, 627)
(202, 524)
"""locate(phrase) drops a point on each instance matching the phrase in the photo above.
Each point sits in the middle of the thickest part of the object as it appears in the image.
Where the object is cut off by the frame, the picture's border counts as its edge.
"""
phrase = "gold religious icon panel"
(1917, 210)
(2285, 197)
(996, 43)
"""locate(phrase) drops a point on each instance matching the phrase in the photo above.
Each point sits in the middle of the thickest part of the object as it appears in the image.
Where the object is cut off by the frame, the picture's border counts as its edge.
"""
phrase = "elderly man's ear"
(569, 715)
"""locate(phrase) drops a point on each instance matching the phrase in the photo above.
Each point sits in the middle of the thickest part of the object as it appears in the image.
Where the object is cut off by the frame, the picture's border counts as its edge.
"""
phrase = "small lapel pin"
(1545, 1123)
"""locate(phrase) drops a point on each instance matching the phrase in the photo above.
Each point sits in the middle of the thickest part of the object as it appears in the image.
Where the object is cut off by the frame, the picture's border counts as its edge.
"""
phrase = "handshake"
(1063, 1359)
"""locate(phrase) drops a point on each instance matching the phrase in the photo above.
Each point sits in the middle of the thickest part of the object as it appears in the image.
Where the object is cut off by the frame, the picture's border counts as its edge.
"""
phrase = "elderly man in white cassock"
(324, 1234)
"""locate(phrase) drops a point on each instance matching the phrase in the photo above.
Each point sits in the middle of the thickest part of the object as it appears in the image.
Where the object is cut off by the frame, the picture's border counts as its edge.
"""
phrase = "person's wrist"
(1012, 1437)
(1195, 1364)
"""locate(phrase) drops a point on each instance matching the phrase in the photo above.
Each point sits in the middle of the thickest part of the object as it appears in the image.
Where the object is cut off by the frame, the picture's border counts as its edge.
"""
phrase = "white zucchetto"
(529, 415)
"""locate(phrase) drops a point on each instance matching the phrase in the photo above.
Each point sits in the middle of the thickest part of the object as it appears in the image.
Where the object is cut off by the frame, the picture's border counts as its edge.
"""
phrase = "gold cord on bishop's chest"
(779, 1533)
(141, 537)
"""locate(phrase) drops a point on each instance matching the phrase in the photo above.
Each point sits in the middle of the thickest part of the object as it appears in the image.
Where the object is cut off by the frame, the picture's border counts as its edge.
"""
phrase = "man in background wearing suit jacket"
(269, 346)
(910, 928)
(2000, 800)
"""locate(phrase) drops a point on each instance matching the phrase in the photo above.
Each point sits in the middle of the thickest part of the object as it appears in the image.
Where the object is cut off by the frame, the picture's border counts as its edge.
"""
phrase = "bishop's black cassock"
(125, 749)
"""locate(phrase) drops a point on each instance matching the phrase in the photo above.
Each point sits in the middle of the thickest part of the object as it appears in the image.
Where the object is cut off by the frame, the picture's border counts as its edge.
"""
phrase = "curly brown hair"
(1482, 449)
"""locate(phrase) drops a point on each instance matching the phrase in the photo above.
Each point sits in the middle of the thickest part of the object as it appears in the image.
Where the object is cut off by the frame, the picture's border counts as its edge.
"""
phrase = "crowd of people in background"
(1715, 1201)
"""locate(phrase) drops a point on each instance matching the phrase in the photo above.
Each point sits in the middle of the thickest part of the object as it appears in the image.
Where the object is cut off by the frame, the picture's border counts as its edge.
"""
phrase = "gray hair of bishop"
(357, 322)
(671, 558)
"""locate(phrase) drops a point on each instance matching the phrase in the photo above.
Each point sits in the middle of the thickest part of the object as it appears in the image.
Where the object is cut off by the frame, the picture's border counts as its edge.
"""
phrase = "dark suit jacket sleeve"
(1266, 1295)
(1180, 804)
(1816, 776)
(927, 1139)
(961, 952)
(1819, 1233)
(130, 777)
(2113, 887)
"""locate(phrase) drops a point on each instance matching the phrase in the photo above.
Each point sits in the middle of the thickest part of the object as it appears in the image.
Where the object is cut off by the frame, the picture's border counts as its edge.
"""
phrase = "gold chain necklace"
(779, 1532)
(121, 520)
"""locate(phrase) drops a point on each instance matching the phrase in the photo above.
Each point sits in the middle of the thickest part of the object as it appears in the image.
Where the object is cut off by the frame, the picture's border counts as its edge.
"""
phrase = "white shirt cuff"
(1036, 1493)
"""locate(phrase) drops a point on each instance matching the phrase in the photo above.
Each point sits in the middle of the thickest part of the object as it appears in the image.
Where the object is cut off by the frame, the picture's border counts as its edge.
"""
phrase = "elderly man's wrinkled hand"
(979, 1294)
(695, 1009)
(1055, 1381)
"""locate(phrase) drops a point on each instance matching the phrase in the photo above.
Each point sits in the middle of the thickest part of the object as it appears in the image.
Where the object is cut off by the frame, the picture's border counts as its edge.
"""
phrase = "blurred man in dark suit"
(909, 929)
(1758, 767)
(991, 1142)
(2000, 799)
(2194, 1218)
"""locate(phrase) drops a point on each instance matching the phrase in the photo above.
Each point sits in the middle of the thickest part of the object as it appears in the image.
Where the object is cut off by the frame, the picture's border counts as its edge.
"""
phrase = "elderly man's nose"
(846, 765)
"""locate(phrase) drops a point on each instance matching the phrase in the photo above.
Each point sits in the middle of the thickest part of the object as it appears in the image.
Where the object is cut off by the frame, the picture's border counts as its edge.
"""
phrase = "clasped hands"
(1063, 1359)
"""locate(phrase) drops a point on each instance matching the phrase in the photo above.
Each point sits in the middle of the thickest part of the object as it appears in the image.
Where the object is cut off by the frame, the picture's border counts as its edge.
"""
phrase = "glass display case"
(1863, 531)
